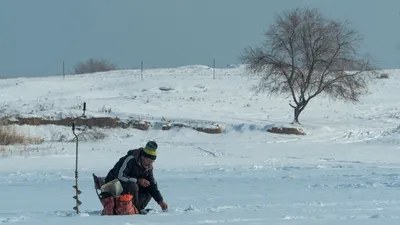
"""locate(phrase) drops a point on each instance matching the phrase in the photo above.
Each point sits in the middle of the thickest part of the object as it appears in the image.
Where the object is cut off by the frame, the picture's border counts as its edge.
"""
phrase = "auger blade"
(77, 201)
(79, 192)
(76, 198)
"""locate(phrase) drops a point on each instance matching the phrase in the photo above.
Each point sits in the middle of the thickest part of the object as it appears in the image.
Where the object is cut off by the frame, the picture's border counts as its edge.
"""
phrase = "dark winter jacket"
(129, 169)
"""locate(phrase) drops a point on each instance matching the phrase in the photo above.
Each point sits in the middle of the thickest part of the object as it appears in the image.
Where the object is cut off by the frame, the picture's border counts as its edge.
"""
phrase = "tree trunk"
(298, 108)
(297, 112)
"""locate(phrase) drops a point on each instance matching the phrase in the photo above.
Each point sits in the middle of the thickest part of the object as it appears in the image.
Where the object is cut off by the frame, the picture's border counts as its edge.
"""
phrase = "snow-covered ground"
(346, 169)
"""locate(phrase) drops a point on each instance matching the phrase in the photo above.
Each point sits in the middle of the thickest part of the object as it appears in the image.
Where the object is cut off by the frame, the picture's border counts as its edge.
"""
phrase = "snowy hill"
(344, 168)
(191, 95)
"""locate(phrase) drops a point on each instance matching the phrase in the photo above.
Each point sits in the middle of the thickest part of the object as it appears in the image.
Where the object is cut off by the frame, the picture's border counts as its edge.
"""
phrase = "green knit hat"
(149, 151)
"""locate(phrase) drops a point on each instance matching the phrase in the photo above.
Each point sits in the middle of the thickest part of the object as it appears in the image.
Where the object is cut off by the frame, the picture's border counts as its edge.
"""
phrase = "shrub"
(93, 66)
(383, 76)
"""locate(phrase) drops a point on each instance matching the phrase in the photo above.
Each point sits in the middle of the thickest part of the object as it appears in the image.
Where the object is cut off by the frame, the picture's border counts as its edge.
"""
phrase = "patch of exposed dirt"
(109, 122)
(216, 130)
(286, 130)
(101, 122)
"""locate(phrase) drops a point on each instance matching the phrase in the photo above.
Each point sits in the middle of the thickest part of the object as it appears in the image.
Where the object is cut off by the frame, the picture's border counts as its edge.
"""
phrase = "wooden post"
(63, 70)
(141, 69)
(214, 69)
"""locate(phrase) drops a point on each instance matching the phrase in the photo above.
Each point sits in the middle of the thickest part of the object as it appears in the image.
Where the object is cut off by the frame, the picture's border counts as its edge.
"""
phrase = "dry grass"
(9, 136)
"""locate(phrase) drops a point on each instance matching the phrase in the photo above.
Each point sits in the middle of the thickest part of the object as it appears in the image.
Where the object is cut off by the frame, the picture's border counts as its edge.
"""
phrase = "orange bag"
(121, 205)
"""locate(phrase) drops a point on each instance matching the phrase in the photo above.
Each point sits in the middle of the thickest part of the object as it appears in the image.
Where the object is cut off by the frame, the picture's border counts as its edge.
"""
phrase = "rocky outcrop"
(102, 122)
(109, 122)
(286, 130)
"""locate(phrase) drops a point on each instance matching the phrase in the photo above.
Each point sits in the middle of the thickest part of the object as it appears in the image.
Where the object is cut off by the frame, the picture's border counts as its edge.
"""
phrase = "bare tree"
(93, 66)
(305, 55)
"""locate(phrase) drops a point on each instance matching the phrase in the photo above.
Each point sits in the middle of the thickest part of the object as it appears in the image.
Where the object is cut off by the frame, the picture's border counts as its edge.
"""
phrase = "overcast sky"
(37, 35)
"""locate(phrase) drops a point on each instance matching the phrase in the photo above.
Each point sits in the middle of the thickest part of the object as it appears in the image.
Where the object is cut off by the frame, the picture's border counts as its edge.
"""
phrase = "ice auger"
(77, 191)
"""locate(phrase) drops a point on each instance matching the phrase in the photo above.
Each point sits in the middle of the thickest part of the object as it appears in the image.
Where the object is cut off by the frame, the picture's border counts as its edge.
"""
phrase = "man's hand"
(163, 205)
(143, 182)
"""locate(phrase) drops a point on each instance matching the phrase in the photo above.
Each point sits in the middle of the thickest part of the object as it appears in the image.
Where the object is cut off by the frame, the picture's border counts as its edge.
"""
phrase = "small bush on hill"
(383, 76)
(93, 66)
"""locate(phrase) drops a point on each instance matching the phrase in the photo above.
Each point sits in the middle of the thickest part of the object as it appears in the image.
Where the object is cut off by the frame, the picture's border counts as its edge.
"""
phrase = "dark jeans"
(141, 195)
